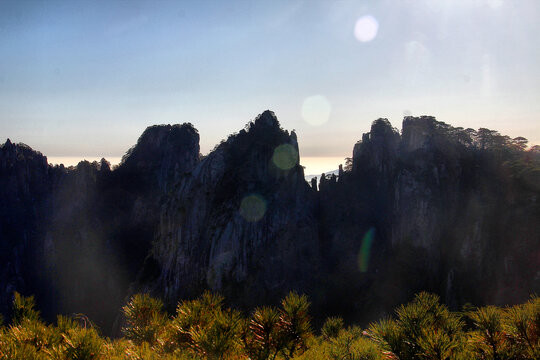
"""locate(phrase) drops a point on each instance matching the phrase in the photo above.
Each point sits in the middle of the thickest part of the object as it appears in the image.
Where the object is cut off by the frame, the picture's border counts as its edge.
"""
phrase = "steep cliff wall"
(26, 183)
(75, 237)
(449, 214)
(449, 210)
(242, 222)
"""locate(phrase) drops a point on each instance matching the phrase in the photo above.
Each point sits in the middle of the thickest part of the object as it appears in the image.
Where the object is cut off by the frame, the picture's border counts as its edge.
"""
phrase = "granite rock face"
(76, 236)
(241, 223)
(448, 210)
(451, 215)
(26, 181)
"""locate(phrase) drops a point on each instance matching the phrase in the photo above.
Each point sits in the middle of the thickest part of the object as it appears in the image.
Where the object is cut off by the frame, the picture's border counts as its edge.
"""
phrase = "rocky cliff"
(77, 237)
(449, 215)
(242, 222)
(26, 181)
(449, 210)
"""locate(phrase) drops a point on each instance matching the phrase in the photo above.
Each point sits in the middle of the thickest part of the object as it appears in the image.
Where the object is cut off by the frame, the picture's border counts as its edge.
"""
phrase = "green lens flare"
(365, 250)
(253, 207)
(285, 157)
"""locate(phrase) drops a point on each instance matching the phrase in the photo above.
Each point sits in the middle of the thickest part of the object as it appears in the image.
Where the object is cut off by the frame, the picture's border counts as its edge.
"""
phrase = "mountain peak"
(267, 118)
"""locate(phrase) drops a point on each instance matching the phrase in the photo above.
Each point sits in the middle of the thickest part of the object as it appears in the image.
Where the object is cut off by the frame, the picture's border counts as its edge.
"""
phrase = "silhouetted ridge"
(234, 220)
(26, 184)
(158, 139)
(163, 153)
(378, 148)
(445, 209)
(266, 120)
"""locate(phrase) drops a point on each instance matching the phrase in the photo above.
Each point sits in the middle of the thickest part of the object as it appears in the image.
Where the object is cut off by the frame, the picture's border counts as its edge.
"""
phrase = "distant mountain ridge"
(449, 210)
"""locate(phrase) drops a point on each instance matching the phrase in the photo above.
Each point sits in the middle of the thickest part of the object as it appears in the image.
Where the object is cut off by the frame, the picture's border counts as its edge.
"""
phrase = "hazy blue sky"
(85, 78)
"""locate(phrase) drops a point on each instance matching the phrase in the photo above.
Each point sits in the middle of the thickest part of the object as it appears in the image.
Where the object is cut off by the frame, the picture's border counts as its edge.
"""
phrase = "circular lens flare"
(285, 157)
(253, 207)
(366, 28)
(316, 110)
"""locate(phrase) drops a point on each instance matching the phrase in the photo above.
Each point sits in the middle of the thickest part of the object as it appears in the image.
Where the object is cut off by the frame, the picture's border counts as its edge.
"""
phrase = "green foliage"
(488, 340)
(189, 316)
(10, 350)
(331, 328)
(204, 329)
(261, 335)
(522, 325)
(295, 324)
(219, 338)
(511, 333)
(25, 340)
(65, 323)
(350, 344)
(424, 329)
(78, 344)
(144, 318)
(23, 308)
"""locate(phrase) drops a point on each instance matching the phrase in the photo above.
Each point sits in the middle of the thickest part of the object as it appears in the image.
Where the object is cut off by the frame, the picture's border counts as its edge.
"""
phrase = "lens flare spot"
(285, 157)
(366, 28)
(253, 207)
(316, 110)
(365, 250)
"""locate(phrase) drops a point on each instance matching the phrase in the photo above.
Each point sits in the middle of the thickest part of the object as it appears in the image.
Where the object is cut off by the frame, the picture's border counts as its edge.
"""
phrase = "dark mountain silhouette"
(449, 210)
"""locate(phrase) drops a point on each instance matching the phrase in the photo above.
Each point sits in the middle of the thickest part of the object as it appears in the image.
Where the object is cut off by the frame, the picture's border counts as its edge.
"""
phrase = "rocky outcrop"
(26, 182)
(104, 221)
(436, 208)
(78, 235)
(162, 155)
(242, 223)
(378, 149)
(445, 213)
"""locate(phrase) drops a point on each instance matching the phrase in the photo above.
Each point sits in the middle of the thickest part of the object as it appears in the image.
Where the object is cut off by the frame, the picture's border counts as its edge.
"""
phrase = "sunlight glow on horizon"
(89, 77)
(74, 160)
(314, 165)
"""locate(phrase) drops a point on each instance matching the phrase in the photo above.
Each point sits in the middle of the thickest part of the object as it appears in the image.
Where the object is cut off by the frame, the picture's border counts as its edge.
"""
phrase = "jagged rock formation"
(77, 237)
(446, 213)
(241, 222)
(25, 184)
(449, 210)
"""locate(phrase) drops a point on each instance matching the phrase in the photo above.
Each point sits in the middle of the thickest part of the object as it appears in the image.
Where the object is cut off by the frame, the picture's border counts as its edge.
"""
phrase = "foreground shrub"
(78, 344)
(488, 339)
(295, 324)
(144, 318)
(522, 325)
(331, 328)
(511, 333)
(203, 327)
(424, 329)
(220, 337)
(348, 344)
(261, 335)
(24, 308)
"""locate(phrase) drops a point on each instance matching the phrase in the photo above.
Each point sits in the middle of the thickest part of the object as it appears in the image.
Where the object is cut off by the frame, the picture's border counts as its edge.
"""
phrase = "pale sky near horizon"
(85, 78)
